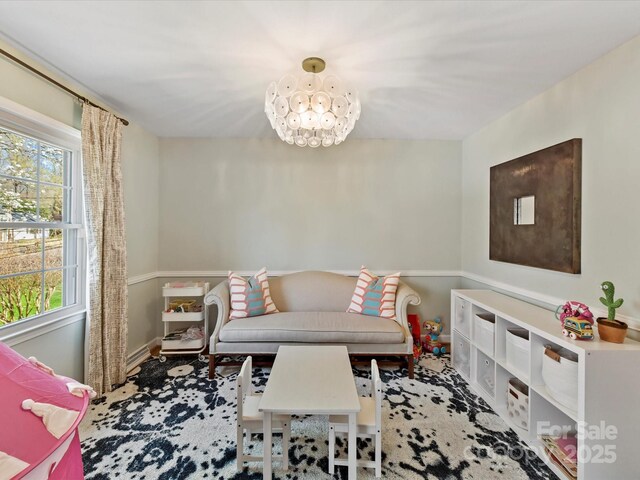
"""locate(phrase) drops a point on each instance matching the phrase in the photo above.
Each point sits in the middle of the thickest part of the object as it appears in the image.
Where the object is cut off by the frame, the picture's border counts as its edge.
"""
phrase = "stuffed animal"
(433, 329)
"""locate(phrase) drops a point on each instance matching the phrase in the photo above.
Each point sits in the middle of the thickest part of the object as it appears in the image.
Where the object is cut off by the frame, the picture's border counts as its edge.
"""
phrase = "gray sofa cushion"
(313, 327)
(271, 348)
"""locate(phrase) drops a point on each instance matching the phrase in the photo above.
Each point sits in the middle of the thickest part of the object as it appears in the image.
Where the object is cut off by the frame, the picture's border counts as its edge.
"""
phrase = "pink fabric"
(30, 440)
(70, 467)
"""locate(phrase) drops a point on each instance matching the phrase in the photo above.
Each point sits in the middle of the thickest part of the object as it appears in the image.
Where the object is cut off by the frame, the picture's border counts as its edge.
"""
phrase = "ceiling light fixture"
(309, 110)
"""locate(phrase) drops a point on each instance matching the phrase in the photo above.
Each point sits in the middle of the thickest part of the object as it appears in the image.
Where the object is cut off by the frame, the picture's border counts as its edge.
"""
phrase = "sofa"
(312, 311)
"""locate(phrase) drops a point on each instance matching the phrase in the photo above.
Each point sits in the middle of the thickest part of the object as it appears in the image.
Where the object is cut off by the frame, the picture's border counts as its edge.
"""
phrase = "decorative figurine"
(433, 329)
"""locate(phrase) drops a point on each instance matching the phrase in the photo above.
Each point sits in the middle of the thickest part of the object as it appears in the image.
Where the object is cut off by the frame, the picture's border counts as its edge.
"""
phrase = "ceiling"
(424, 70)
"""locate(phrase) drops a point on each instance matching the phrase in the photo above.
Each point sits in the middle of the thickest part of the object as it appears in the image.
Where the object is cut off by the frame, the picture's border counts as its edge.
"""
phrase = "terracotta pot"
(612, 331)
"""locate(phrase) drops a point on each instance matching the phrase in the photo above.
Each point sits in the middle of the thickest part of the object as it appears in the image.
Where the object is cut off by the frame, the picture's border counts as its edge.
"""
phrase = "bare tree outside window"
(34, 241)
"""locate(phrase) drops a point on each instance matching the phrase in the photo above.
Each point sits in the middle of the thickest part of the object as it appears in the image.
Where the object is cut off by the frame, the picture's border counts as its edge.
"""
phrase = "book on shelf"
(562, 451)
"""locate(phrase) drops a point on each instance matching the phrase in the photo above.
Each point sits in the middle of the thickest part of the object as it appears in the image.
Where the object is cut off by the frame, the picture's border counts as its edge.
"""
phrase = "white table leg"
(268, 446)
(353, 448)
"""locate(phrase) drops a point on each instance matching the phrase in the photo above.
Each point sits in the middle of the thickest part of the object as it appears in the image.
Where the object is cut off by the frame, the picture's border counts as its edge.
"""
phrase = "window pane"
(18, 201)
(36, 186)
(51, 202)
(51, 164)
(18, 155)
(70, 289)
(20, 250)
(53, 294)
(20, 297)
(53, 248)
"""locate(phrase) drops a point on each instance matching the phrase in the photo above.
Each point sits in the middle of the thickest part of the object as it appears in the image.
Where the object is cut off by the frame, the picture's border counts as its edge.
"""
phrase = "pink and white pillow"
(374, 295)
(250, 297)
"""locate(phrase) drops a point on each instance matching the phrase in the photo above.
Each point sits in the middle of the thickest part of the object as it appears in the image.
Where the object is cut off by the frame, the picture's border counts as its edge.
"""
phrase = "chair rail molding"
(142, 278)
(276, 273)
(551, 301)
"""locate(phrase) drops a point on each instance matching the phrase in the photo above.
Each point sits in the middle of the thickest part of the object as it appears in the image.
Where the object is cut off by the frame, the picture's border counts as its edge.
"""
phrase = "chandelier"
(310, 110)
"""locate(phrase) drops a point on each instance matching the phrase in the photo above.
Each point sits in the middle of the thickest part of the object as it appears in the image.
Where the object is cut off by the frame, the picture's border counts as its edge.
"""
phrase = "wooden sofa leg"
(212, 366)
(410, 365)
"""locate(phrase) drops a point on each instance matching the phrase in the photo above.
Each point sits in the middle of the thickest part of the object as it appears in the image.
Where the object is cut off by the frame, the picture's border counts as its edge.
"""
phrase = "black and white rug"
(169, 422)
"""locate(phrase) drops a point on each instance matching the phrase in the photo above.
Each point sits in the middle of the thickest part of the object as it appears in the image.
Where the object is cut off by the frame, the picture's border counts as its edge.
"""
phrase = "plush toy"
(433, 329)
(414, 325)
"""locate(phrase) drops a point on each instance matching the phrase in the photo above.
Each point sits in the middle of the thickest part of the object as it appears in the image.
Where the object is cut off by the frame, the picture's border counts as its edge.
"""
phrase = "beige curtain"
(107, 316)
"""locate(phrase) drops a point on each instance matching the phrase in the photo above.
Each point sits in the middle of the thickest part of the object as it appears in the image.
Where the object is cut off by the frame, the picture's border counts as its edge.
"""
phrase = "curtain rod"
(56, 83)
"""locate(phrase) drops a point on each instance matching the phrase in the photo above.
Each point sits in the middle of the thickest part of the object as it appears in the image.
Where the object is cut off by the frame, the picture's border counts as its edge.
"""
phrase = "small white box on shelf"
(518, 348)
(462, 354)
(463, 317)
(518, 403)
(484, 331)
(560, 375)
(486, 373)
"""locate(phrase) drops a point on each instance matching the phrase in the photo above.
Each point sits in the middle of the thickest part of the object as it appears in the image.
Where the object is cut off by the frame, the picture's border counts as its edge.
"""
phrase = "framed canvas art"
(535, 208)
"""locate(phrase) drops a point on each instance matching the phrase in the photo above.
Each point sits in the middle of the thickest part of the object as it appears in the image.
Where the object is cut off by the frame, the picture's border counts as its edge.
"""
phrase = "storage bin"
(461, 355)
(560, 375)
(484, 331)
(486, 373)
(518, 403)
(518, 348)
(463, 317)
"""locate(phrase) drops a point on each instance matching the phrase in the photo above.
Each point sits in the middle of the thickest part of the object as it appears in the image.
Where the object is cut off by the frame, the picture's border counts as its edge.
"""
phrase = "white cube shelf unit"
(608, 388)
(178, 346)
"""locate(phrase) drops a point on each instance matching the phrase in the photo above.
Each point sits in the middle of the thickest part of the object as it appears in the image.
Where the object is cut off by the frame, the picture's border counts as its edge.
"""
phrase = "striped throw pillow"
(375, 296)
(250, 298)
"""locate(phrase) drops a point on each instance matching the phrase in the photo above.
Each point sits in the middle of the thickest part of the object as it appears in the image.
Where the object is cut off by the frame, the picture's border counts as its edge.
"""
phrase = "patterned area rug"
(169, 422)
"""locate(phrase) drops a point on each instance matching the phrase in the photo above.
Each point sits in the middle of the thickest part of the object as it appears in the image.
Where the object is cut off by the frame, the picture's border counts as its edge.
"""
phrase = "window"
(41, 249)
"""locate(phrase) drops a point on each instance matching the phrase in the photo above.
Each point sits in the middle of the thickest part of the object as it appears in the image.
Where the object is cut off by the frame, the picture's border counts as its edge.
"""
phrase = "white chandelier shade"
(310, 110)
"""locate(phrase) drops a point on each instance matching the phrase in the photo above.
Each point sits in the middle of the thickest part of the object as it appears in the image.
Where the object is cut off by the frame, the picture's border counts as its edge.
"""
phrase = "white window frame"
(23, 120)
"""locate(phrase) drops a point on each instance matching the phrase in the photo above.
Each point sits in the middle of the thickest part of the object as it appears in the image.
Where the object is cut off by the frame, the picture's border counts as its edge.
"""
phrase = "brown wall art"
(535, 209)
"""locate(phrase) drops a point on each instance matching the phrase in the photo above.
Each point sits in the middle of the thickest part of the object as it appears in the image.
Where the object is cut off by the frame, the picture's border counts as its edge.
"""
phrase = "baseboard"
(139, 355)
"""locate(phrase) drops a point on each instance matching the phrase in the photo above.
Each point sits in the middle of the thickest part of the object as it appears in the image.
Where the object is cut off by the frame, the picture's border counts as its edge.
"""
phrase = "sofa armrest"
(220, 297)
(405, 296)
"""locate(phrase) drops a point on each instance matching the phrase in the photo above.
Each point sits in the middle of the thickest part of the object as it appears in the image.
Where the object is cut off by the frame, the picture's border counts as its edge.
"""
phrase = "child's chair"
(369, 425)
(250, 419)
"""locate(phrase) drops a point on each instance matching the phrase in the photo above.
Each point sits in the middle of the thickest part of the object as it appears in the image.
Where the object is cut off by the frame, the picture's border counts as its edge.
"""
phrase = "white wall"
(599, 104)
(140, 172)
(241, 204)
(213, 205)
(63, 348)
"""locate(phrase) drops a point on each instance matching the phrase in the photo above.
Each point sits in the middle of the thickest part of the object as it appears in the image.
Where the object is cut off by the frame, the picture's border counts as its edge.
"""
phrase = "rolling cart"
(184, 306)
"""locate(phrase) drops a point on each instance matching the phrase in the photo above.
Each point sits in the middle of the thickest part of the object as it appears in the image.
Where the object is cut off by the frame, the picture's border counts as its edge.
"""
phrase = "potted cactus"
(610, 329)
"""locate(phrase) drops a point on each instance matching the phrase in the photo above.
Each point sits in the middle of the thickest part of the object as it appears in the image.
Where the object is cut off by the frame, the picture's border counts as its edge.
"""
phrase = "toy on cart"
(433, 329)
(414, 325)
(577, 320)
